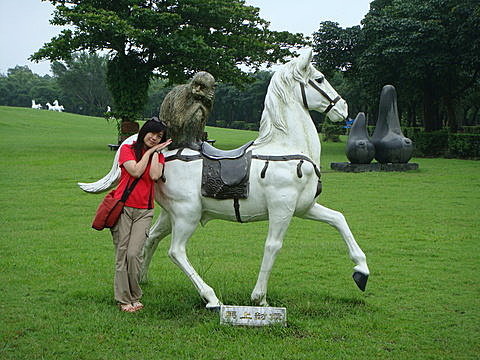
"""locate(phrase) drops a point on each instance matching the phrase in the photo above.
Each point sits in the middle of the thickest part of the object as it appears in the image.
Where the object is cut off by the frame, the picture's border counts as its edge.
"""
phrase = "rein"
(324, 94)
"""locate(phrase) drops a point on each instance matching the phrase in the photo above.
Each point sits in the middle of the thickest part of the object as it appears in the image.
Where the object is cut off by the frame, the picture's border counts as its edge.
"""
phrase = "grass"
(419, 230)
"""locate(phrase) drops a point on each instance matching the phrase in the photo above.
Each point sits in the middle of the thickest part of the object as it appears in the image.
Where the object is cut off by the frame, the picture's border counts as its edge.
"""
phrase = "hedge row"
(470, 129)
(444, 144)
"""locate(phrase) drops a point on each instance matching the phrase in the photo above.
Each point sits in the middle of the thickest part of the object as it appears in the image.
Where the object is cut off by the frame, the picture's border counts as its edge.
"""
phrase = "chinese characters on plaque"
(252, 316)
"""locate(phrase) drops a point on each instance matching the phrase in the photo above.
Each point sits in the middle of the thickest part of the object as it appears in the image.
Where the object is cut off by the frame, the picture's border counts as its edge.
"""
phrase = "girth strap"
(236, 206)
(299, 169)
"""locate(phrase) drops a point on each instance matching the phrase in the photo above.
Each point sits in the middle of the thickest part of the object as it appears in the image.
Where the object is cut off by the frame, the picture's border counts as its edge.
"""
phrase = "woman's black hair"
(153, 125)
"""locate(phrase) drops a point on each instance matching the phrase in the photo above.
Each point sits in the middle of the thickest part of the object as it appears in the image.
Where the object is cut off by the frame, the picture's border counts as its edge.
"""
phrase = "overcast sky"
(24, 24)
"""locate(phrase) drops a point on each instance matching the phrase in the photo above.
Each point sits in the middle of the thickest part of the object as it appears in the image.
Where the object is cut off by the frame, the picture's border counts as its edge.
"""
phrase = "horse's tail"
(112, 178)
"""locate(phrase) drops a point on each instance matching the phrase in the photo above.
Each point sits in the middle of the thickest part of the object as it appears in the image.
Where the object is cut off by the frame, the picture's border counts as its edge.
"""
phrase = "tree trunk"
(432, 121)
(451, 116)
(413, 114)
(127, 129)
(474, 117)
(128, 80)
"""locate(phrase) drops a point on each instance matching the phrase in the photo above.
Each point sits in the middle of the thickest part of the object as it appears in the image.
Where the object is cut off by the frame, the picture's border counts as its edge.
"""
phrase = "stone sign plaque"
(252, 316)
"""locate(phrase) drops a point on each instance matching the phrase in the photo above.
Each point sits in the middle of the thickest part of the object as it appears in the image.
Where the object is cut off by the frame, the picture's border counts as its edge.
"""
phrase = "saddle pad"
(226, 178)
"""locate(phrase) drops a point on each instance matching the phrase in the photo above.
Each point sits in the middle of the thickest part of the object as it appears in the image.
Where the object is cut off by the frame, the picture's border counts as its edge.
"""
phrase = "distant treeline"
(80, 86)
(429, 50)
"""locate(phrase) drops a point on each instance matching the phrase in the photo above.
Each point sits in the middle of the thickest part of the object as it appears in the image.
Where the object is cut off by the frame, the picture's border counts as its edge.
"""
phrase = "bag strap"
(128, 190)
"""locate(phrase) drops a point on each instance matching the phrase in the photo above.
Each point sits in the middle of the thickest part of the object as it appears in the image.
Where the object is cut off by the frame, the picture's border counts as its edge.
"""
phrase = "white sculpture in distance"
(36, 106)
(55, 106)
(286, 128)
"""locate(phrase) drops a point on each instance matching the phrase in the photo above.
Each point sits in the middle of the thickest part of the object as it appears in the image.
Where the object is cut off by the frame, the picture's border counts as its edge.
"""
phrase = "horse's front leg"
(278, 220)
(337, 220)
(183, 227)
(158, 231)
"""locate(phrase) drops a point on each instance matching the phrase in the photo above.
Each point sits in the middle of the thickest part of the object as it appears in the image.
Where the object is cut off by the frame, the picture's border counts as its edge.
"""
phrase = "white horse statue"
(55, 106)
(276, 193)
(36, 106)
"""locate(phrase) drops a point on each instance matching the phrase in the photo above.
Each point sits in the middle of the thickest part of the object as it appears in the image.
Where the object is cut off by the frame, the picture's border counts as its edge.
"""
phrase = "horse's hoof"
(360, 279)
(214, 308)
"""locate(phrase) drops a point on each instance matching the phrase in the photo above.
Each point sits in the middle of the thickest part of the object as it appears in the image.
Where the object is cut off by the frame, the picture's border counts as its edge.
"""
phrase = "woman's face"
(152, 138)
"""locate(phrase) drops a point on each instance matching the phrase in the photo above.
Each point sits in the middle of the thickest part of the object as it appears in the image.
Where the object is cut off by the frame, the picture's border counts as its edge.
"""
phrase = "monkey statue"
(185, 110)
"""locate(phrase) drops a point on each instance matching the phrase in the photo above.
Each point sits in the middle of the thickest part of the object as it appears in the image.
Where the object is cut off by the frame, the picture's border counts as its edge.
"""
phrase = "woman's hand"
(161, 145)
(156, 167)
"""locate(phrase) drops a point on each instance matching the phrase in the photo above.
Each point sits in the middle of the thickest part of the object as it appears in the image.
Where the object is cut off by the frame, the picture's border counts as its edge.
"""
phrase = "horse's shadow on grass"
(329, 306)
(181, 303)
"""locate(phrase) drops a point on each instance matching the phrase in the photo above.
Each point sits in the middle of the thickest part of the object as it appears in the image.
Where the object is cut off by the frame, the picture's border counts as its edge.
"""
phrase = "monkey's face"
(203, 87)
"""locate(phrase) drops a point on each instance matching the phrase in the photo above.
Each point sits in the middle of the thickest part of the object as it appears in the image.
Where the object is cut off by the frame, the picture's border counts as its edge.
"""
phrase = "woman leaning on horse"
(141, 160)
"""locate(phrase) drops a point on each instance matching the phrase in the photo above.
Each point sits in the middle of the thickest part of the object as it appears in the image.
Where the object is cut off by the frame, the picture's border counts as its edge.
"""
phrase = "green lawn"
(419, 230)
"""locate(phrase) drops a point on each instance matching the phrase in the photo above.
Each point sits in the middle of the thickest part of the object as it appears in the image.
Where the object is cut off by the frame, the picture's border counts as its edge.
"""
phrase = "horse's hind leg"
(337, 220)
(183, 228)
(158, 231)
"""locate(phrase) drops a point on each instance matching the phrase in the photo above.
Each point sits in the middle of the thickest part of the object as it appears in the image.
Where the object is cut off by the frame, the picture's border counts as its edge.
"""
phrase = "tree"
(240, 108)
(334, 47)
(21, 85)
(82, 79)
(428, 49)
(173, 38)
(336, 50)
(157, 91)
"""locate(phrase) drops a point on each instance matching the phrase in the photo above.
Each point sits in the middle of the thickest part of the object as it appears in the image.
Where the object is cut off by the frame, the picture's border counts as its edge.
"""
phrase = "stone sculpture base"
(349, 167)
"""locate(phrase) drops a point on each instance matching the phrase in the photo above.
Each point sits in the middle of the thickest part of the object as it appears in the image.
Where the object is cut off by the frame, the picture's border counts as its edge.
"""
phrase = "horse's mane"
(280, 93)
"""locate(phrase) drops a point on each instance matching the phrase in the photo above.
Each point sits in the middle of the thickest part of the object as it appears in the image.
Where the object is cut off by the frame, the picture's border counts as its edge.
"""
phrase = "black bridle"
(325, 95)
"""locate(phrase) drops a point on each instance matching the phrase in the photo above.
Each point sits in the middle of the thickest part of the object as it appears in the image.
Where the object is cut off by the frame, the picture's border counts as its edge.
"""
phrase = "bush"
(240, 125)
(411, 132)
(332, 132)
(220, 123)
(471, 129)
(464, 146)
(430, 144)
(251, 126)
(444, 144)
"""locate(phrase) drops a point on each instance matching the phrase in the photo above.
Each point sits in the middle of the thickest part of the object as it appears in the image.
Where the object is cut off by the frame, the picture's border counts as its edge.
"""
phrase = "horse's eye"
(319, 80)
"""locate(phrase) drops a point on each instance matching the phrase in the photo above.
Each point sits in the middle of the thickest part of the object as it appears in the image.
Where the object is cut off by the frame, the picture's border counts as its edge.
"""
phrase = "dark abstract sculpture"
(360, 149)
(391, 146)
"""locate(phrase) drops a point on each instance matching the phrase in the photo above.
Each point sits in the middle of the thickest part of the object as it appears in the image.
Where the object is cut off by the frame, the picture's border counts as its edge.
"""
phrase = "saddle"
(225, 173)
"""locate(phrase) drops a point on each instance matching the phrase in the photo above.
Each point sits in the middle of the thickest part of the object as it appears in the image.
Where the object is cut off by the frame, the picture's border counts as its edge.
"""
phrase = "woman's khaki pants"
(129, 235)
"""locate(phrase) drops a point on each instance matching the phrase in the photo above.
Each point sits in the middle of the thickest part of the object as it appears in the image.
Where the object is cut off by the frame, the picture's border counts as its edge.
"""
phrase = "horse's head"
(315, 91)
(294, 86)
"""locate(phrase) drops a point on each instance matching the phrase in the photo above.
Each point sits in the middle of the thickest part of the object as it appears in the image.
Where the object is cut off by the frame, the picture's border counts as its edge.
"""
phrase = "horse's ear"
(305, 60)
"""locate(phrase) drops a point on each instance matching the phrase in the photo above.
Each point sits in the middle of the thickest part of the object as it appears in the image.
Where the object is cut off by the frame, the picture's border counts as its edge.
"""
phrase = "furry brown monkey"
(186, 108)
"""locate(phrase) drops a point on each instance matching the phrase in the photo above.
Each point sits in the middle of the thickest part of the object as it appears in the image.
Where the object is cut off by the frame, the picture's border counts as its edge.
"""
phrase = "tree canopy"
(20, 85)
(171, 38)
(82, 80)
(428, 49)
